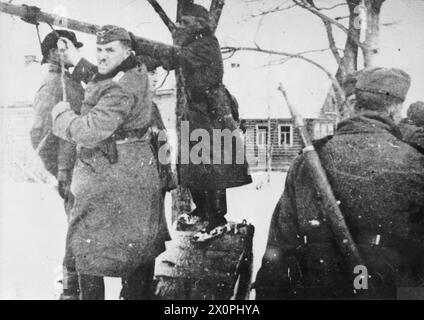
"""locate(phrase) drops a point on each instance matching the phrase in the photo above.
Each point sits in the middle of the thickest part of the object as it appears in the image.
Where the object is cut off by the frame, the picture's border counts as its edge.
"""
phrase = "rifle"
(330, 205)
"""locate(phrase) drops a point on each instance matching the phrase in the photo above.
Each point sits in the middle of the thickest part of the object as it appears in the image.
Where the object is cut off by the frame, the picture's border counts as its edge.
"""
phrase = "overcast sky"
(254, 84)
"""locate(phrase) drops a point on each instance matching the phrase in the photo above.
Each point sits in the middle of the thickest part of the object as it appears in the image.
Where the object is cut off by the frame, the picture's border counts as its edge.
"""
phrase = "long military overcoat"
(117, 220)
(209, 107)
(379, 181)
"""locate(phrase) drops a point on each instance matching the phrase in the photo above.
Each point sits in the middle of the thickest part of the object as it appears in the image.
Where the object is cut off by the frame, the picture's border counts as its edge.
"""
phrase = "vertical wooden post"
(181, 198)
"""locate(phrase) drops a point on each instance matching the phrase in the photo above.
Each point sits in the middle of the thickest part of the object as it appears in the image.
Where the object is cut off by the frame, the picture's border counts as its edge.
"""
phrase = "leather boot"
(91, 287)
(217, 208)
(139, 285)
(201, 200)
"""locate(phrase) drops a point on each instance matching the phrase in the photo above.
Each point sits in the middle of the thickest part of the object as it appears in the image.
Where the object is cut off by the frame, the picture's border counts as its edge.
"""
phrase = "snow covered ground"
(33, 228)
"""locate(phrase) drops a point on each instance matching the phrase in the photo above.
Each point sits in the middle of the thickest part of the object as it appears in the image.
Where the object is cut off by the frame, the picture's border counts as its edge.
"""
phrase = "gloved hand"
(70, 52)
(134, 44)
(64, 179)
(31, 14)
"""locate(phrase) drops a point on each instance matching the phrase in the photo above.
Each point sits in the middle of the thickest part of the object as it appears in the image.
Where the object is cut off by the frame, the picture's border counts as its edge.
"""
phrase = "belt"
(123, 136)
(364, 238)
(386, 241)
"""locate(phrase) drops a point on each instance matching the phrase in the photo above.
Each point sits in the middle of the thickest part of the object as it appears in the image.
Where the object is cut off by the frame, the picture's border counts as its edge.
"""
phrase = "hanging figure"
(116, 227)
(58, 155)
(210, 107)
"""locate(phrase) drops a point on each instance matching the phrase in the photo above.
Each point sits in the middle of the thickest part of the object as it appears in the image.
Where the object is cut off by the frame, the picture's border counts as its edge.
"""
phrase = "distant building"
(277, 151)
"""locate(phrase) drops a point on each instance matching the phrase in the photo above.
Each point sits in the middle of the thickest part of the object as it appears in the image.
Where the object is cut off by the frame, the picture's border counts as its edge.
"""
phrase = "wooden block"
(189, 270)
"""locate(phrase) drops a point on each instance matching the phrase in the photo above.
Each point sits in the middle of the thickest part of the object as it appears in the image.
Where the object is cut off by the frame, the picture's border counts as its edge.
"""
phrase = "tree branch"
(286, 59)
(276, 9)
(331, 41)
(162, 14)
(294, 56)
(215, 12)
(332, 21)
(332, 7)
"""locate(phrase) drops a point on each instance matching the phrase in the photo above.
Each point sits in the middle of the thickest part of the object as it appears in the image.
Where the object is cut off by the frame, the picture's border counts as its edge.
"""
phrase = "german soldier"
(116, 222)
(378, 180)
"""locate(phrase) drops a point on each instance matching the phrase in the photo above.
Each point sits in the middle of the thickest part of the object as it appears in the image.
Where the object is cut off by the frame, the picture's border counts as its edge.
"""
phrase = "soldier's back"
(379, 182)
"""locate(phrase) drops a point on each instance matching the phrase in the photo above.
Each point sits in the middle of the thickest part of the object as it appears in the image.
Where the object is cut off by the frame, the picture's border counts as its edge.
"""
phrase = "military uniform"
(116, 227)
(85, 70)
(379, 181)
(210, 106)
(57, 155)
(412, 127)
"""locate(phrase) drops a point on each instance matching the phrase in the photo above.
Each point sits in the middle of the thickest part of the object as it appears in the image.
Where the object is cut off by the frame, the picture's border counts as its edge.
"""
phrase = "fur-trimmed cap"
(382, 83)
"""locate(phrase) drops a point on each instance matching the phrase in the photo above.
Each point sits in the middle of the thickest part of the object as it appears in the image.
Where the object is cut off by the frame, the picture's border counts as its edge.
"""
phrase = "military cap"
(50, 42)
(111, 33)
(383, 83)
(195, 10)
(416, 113)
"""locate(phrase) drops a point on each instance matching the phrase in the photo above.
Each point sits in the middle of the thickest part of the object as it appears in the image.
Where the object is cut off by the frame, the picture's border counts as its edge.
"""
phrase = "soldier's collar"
(369, 120)
(128, 64)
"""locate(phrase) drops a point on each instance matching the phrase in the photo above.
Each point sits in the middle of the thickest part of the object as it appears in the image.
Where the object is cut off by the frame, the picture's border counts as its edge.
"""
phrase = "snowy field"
(33, 228)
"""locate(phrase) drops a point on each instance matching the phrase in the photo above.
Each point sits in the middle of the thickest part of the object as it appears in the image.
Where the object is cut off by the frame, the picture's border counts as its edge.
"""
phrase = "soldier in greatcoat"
(117, 225)
(379, 182)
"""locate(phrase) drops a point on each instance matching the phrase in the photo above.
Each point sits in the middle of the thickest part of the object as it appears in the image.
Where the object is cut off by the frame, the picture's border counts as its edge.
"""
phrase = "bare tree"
(361, 15)
(348, 62)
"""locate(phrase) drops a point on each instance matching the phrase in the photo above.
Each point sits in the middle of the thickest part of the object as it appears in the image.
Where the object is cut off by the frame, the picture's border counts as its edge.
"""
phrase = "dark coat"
(160, 144)
(56, 154)
(412, 134)
(210, 106)
(379, 181)
(117, 220)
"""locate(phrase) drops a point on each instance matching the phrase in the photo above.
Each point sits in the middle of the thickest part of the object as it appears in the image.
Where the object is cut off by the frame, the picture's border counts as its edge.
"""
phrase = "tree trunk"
(372, 38)
(350, 58)
(181, 200)
(348, 63)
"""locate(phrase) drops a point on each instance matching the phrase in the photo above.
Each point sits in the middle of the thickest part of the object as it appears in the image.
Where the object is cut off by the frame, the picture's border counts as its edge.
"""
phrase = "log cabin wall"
(286, 143)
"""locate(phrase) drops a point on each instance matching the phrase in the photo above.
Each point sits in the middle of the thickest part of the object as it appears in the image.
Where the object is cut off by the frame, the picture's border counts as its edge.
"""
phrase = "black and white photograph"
(233, 151)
